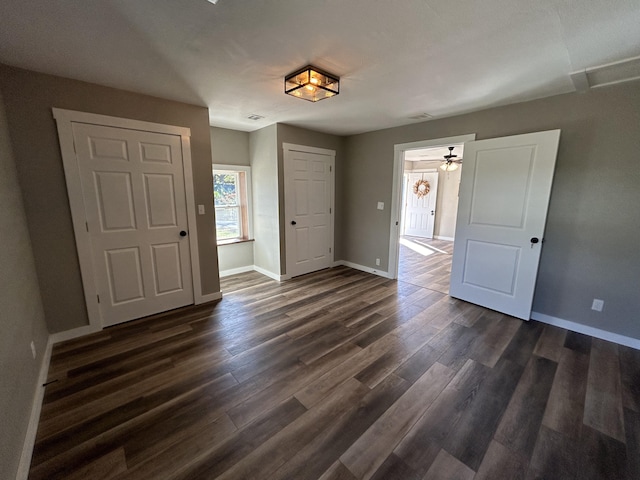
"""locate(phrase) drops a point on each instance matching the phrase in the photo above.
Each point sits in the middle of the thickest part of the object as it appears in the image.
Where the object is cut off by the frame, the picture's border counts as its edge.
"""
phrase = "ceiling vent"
(610, 74)
(421, 116)
(254, 116)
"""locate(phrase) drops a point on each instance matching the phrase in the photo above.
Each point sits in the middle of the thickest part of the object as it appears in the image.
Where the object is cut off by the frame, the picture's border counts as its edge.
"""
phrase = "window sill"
(235, 240)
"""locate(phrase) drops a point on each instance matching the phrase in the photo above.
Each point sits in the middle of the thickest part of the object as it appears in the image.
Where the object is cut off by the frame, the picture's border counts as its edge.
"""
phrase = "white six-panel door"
(502, 210)
(419, 219)
(133, 189)
(308, 214)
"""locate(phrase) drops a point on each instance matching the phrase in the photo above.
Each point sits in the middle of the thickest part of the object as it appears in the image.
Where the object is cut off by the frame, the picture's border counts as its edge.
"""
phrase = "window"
(232, 203)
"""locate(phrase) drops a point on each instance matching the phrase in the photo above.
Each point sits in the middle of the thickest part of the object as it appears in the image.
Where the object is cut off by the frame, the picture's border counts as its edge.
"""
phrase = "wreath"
(421, 188)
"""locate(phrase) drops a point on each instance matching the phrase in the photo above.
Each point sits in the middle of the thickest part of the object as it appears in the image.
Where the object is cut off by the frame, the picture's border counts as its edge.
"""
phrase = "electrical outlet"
(377, 261)
(33, 349)
(597, 305)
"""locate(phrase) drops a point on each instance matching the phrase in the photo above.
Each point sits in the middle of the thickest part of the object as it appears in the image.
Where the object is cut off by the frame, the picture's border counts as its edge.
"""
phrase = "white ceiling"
(433, 154)
(396, 58)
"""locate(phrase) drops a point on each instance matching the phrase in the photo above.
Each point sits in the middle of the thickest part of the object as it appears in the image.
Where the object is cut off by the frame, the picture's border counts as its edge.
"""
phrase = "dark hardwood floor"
(338, 375)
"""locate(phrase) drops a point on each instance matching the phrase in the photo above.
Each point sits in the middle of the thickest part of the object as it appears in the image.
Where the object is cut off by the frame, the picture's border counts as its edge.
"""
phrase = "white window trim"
(217, 167)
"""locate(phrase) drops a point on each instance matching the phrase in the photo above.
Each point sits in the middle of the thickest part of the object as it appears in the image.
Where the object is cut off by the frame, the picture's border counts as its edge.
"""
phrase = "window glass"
(232, 202)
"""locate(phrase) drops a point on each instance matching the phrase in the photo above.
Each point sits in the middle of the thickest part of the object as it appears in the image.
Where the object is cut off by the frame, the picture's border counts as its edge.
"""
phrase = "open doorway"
(424, 210)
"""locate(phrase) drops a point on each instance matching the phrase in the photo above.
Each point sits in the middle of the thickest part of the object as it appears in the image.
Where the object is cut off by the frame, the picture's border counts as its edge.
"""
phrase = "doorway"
(422, 242)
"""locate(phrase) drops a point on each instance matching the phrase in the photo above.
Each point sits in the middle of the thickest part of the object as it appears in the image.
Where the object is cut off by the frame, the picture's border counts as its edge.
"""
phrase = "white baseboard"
(209, 297)
(234, 271)
(587, 330)
(269, 274)
(34, 418)
(440, 237)
(73, 333)
(380, 273)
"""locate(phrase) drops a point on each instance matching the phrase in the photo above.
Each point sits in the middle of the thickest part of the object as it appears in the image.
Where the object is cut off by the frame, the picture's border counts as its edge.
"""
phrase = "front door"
(420, 209)
(133, 189)
(308, 211)
(502, 210)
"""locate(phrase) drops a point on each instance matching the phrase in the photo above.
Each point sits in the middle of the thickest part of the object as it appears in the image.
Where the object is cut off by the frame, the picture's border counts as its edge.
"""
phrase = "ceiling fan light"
(312, 84)
(449, 167)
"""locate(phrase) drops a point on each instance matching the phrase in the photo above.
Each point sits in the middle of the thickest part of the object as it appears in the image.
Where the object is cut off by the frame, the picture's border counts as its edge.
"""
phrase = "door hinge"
(329, 249)
(330, 168)
(86, 224)
(330, 211)
(98, 298)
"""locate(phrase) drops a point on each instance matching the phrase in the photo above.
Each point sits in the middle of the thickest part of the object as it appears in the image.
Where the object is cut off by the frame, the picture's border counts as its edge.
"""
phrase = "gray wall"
(264, 188)
(235, 255)
(591, 241)
(29, 97)
(229, 147)
(309, 138)
(21, 314)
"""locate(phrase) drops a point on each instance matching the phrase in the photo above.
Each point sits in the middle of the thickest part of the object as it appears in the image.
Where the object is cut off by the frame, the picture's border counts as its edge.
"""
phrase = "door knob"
(183, 233)
(293, 222)
(535, 240)
(433, 212)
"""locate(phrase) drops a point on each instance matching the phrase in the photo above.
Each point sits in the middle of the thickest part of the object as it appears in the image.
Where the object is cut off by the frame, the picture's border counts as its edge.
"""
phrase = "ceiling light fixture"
(450, 162)
(312, 84)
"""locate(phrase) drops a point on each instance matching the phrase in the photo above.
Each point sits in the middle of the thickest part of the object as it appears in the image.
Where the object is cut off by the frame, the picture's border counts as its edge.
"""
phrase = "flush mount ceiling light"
(311, 83)
(451, 162)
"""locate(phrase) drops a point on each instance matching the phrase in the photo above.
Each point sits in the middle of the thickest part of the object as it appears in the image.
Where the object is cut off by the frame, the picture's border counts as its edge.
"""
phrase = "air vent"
(421, 116)
(253, 116)
(612, 73)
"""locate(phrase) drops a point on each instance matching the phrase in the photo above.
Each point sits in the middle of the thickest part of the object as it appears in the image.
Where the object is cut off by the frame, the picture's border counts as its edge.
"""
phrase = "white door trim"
(64, 119)
(291, 147)
(396, 191)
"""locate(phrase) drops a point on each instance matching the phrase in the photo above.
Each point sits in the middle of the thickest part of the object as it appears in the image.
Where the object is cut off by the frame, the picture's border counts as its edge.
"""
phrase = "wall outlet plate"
(597, 305)
(380, 205)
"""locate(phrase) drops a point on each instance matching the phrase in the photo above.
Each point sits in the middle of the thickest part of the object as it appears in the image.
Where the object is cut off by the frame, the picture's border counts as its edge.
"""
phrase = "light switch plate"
(380, 205)
(201, 209)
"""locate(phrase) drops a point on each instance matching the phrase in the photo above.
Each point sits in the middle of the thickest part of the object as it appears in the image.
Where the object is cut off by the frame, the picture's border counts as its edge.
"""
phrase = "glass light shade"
(312, 84)
(449, 167)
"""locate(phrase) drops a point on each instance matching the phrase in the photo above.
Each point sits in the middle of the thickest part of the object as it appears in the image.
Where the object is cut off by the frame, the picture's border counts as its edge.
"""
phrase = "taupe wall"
(21, 314)
(309, 138)
(591, 241)
(264, 177)
(29, 98)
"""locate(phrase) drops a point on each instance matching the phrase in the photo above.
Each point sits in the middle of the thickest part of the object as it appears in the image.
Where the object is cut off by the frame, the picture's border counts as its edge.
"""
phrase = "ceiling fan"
(451, 162)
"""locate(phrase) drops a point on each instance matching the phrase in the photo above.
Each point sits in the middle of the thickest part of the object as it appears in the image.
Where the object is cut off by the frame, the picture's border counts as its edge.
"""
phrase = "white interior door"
(502, 210)
(419, 217)
(308, 211)
(133, 189)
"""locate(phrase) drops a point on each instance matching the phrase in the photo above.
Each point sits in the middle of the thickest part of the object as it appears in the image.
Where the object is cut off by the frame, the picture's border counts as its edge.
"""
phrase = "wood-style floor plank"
(565, 407)
(339, 375)
(369, 451)
(603, 402)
